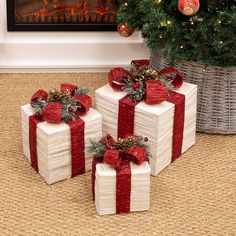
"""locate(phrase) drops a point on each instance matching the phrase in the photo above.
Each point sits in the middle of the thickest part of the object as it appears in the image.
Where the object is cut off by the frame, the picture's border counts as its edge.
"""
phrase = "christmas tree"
(207, 35)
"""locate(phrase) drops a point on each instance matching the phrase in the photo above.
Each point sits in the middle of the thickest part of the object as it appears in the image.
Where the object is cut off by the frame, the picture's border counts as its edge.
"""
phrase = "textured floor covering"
(193, 196)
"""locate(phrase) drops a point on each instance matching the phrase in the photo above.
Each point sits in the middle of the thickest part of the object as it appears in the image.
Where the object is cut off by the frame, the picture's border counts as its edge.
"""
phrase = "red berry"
(145, 139)
(136, 85)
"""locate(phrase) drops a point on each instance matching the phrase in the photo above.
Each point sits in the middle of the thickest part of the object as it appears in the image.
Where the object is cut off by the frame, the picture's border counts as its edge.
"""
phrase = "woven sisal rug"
(193, 196)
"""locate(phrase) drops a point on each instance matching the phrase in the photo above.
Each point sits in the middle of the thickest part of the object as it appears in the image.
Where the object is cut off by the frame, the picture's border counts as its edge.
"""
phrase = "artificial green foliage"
(38, 106)
(135, 85)
(80, 91)
(69, 106)
(99, 148)
(209, 37)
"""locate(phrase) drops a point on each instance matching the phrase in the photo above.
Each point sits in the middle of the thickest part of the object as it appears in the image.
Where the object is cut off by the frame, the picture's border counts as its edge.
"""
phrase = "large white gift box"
(105, 188)
(153, 121)
(54, 144)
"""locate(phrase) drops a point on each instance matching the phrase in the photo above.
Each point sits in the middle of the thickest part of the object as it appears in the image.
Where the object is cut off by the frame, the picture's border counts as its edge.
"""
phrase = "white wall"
(65, 51)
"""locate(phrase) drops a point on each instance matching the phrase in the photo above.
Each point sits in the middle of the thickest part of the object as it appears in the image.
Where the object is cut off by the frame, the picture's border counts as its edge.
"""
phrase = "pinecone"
(145, 73)
(125, 144)
(58, 96)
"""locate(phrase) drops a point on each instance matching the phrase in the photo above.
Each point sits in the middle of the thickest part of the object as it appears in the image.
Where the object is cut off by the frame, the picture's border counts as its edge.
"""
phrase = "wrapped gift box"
(153, 121)
(54, 144)
(105, 188)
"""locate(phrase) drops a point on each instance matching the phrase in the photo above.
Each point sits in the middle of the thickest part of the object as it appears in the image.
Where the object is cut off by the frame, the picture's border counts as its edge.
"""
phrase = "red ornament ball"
(189, 7)
(125, 30)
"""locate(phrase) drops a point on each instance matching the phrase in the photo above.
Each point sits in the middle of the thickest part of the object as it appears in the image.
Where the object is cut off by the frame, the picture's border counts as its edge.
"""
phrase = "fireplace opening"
(62, 14)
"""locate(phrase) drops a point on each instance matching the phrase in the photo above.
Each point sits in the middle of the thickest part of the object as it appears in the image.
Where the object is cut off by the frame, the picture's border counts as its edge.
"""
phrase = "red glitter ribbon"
(77, 147)
(156, 92)
(123, 188)
(40, 94)
(52, 114)
(116, 78)
(33, 121)
(126, 117)
(178, 127)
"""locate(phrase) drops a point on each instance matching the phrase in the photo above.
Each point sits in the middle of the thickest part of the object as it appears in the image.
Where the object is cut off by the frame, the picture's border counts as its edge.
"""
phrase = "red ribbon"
(33, 121)
(85, 102)
(123, 188)
(117, 78)
(77, 147)
(121, 162)
(40, 94)
(126, 117)
(112, 157)
(178, 126)
(52, 113)
(177, 81)
(155, 93)
(69, 88)
(108, 140)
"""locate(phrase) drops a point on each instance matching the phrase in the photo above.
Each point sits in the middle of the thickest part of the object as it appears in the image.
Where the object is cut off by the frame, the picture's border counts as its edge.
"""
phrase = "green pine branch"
(82, 90)
(97, 148)
(208, 37)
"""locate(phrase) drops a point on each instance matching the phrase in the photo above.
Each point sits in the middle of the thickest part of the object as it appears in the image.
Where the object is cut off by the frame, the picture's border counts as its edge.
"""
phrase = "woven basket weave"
(216, 93)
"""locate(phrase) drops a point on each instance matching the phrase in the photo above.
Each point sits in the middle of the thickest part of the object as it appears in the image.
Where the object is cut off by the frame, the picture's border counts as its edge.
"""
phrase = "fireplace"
(62, 15)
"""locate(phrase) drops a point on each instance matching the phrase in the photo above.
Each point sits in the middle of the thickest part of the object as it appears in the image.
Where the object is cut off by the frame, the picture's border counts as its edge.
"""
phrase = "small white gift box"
(105, 188)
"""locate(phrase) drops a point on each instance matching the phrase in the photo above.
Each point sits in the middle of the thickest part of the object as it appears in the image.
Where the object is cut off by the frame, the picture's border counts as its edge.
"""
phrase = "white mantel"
(65, 51)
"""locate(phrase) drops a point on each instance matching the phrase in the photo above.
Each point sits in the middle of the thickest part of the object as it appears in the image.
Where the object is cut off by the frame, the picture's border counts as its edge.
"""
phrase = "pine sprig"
(68, 110)
(135, 94)
(145, 144)
(38, 106)
(80, 91)
(168, 84)
(97, 148)
(208, 37)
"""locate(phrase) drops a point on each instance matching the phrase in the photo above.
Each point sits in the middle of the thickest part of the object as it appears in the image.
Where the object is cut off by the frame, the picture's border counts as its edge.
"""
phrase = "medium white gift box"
(153, 121)
(105, 188)
(54, 144)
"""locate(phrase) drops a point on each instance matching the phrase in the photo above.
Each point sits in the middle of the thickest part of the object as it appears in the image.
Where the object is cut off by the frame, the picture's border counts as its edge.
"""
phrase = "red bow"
(115, 158)
(156, 92)
(52, 112)
(117, 78)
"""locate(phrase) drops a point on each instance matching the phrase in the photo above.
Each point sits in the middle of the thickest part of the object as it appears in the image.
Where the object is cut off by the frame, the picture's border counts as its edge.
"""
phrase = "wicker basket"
(216, 93)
